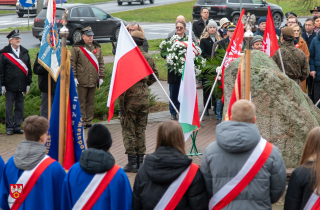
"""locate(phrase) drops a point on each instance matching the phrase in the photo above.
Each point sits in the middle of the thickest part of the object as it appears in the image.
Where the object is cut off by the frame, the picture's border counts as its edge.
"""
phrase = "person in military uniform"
(16, 77)
(295, 62)
(88, 68)
(134, 109)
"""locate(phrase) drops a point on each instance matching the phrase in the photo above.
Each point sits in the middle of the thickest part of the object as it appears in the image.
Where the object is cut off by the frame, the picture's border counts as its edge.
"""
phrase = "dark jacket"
(299, 188)
(198, 27)
(261, 33)
(159, 170)
(43, 77)
(314, 62)
(308, 39)
(206, 47)
(224, 158)
(223, 44)
(94, 161)
(11, 76)
(145, 46)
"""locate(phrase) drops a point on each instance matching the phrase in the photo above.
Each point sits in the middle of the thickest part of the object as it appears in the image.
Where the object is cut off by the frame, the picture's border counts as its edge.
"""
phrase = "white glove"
(76, 82)
(27, 89)
(3, 89)
(100, 82)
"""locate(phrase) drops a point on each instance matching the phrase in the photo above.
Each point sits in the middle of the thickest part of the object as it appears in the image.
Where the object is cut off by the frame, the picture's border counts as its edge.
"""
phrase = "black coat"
(11, 76)
(206, 47)
(43, 77)
(198, 27)
(154, 177)
(299, 189)
(223, 44)
(308, 39)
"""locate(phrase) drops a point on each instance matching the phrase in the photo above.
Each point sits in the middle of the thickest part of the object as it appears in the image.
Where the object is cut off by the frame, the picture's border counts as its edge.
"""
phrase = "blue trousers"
(174, 92)
(219, 109)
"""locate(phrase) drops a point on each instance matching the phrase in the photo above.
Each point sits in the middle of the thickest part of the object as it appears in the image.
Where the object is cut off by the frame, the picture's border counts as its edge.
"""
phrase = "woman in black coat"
(208, 38)
(163, 167)
(305, 179)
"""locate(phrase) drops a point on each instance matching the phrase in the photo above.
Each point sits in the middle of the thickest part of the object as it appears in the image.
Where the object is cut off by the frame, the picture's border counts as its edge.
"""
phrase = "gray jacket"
(194, 39)
(223, 159)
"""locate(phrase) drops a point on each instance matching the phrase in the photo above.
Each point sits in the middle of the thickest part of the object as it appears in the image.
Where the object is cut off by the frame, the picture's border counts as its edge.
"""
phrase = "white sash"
(166, 198)
(87, 193)
(19, 61)
(93, 58)
(312, 200)
(226, 189)
(24, 178)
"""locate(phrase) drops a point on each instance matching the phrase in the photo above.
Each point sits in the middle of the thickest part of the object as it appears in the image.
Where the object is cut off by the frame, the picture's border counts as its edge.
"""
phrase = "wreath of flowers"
(174, 51)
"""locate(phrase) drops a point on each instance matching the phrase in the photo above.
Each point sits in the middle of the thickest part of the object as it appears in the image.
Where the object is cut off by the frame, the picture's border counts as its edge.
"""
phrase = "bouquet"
(174, 51)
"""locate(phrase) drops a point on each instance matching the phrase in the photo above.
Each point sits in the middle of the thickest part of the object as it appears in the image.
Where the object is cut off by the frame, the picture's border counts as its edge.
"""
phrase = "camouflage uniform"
(295, 62)
(134, 109)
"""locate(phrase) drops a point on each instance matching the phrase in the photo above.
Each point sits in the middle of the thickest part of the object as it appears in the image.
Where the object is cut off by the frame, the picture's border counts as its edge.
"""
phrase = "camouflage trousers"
(134, 124)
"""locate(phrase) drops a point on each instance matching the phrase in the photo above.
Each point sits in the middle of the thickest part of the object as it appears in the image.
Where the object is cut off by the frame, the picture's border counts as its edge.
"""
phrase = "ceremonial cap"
(231, 27)
(257, 38)
(288, 31)
(315, 9)
(137, 34)
(99, 137)
(87, 31)
(14, 34)
(290, 13)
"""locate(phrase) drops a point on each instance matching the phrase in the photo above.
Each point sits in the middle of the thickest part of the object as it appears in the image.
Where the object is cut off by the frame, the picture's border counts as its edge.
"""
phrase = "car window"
(99, 13)
(233, 1)
(43, 13)
(247, 1)
(257, 1)
(201, 1)
(59, 13)
(74, 12)
(215, 1)
(84, 12)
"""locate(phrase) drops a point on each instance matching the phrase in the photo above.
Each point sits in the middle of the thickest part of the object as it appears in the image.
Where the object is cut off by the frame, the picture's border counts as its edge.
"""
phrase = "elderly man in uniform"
(295, 62)
(16, 77)
(88, 68)
(134, 108)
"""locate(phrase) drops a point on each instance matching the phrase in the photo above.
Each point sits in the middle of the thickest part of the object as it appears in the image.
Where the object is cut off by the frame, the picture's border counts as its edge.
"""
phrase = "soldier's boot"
(140, 160)
(132, 165)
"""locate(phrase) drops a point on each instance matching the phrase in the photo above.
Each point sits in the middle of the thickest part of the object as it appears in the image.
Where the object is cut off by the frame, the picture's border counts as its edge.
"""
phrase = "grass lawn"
(7, 12)
(292, 6)
(161, 14)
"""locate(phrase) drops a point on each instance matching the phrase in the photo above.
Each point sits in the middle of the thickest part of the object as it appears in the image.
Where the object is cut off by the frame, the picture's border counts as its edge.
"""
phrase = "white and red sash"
(18, 62)
(313, 202)
(195, 51)
(249, 170)
(91, 58)
(177, 189)
(29, 178)
(95, 188)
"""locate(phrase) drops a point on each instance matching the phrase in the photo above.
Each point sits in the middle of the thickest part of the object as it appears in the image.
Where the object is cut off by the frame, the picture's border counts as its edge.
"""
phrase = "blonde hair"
(243, 111)
(311, 153)
(170, 134)
(296, 25)
(205, 34)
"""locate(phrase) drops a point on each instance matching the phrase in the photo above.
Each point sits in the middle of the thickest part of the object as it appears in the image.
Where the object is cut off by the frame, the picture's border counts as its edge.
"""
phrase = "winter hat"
(223, 21)
(212, 23)
(138, 34)
(99, 137)
(257, 38)
(287, 31)
(262, 20)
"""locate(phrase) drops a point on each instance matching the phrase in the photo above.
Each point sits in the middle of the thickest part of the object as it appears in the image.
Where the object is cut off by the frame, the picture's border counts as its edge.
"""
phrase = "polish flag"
(189, 113)
(129, 68)
(270, 41)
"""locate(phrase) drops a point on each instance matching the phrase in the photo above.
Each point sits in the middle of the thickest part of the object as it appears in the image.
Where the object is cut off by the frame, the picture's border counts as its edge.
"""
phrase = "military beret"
(14, 34)
(288, 31)
(231, 27)
(315, 9)
(87, 31)
(137, 34)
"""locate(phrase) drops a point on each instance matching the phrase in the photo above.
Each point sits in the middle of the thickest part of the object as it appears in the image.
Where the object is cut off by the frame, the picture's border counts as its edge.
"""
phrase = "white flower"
(219, 78)
(218, 69)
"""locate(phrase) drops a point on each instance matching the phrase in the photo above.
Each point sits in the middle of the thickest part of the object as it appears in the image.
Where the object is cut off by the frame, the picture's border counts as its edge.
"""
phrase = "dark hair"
(316, 17)
(184, 24)
(138, 41)
(203, 9)
(34, 127)
(310, 19)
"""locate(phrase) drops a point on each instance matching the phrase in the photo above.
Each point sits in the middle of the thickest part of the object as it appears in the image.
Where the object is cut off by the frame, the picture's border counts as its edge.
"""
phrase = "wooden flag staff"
(49, 96)
(64, 32)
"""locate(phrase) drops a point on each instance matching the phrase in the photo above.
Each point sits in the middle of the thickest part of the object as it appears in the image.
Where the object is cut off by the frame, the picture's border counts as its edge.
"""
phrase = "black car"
(231, 9)
(80, 16)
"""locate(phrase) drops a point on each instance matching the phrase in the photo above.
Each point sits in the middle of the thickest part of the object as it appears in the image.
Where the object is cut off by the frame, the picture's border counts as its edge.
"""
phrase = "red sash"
(91, 58)
(177, 189)
(313, 202)
(250, 169)
(18, 62)
(31, 182)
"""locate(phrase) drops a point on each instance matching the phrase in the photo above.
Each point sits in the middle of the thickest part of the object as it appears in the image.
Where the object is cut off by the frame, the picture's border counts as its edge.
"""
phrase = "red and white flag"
(129, 68)
(234, 49)
(270, 41)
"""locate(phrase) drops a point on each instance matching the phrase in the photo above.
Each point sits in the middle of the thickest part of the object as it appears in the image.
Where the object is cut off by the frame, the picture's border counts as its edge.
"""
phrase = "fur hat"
(99, 137)
(137, 34)
(257, 38)
(287, 31)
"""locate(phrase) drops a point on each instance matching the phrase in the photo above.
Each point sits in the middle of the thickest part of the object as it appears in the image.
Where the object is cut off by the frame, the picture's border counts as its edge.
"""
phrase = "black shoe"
(173, 117)
(218, 121)
(18, 131)
(140, 160)
(84, 126)
(206, 113)
(132, 165)
(9, 132)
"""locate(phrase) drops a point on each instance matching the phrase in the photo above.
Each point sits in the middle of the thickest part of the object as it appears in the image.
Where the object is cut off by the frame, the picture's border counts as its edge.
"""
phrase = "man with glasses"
(16, 77)
(199, 25)
(183, 19)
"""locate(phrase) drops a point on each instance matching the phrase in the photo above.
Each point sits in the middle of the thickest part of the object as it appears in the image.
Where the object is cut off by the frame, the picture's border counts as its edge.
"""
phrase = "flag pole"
(284, 71)
(64, 32)
(49, 96)
(166, 93)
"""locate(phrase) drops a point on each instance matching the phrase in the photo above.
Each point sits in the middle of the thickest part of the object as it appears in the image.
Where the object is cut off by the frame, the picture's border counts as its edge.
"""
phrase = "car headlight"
(18, 3)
